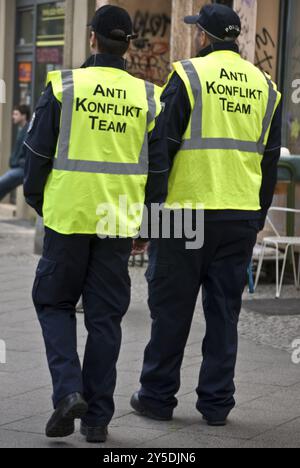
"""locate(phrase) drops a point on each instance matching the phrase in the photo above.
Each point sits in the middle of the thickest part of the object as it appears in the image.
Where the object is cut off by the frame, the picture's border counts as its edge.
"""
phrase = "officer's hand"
(139, 247)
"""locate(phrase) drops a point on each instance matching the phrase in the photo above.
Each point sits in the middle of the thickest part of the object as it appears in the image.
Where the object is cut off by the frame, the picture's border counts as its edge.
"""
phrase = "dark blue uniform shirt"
(42, 138)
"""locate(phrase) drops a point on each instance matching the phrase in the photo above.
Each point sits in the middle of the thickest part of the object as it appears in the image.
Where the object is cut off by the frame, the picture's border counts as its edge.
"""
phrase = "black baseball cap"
(114, 23)
(219, 21)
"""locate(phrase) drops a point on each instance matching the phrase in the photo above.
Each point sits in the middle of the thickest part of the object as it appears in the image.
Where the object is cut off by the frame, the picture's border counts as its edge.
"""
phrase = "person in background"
(13, 178)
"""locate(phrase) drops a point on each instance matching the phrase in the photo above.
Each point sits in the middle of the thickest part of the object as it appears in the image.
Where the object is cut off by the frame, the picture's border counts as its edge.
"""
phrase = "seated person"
(14, 177)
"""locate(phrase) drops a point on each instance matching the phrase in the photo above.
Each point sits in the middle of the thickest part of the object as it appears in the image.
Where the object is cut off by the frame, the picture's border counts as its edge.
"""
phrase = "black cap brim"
(191, 19)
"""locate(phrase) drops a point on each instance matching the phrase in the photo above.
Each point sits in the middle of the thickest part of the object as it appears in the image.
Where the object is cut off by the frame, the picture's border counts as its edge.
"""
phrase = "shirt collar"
(232, 46)
(105, 60)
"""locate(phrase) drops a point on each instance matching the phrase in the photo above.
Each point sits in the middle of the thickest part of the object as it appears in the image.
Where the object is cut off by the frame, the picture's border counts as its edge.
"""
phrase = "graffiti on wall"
(267, 39)
(246, 9)
(149, 56)
(265, 54)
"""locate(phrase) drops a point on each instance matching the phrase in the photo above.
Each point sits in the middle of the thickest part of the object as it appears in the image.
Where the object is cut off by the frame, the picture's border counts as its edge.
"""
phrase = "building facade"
(37, 36)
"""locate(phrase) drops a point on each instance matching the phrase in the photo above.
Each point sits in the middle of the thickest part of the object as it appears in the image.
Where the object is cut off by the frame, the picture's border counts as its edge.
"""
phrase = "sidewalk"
(268, 383)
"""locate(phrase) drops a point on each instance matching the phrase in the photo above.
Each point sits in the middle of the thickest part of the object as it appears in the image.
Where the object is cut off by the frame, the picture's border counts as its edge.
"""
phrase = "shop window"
(50, 41)
(40, 30)
(25, 27)
(24, 77)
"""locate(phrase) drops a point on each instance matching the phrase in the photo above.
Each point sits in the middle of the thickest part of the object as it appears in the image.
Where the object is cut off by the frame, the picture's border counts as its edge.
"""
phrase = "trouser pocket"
(156, 271)
(44, 288)
(255, 224)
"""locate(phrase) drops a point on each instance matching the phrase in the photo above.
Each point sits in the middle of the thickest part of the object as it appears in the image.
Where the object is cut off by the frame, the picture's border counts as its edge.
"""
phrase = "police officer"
(89, 144)
(223, 122)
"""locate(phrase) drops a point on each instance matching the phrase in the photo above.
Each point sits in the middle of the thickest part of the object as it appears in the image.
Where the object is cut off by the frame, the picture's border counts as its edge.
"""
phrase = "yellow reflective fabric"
(102, 152)
(219, 164)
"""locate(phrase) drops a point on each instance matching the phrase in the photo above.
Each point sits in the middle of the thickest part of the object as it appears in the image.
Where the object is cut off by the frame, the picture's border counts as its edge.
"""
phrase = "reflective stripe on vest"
(63, 161)
(197, 142)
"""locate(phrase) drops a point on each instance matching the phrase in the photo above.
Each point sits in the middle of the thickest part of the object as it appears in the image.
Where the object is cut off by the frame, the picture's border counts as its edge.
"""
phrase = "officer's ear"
(200, 39)
(93, 42)
(204, 39)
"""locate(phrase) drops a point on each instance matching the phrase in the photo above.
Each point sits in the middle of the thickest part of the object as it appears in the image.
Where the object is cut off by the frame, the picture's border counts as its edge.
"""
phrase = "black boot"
(94, 435)
(61, 424)
(141, 409)
(215, 423)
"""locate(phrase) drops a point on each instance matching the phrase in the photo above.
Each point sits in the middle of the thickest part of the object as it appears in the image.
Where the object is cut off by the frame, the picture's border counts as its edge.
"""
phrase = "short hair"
(112, 47)
(215, 40)
(24, 110)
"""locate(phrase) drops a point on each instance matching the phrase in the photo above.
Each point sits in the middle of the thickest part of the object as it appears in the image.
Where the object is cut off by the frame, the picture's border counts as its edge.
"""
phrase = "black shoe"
(143, 411)
(211, 423)
(94, 435)
(61, 423)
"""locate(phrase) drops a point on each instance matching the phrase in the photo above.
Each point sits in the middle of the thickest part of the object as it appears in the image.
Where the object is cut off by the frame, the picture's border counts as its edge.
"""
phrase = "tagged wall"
(267, 36)
(247, 10)
(149, 56)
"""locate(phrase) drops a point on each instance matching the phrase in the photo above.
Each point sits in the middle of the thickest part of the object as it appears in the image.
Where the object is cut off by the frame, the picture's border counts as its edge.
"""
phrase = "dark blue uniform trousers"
(97, 269)
(175, 276)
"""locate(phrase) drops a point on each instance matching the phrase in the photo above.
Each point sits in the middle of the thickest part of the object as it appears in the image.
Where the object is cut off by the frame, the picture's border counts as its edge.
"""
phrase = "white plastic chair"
(280, 243)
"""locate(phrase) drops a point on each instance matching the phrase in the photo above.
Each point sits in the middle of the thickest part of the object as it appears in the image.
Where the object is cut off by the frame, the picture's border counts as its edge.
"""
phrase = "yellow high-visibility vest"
(102, 151)
(219, 163)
